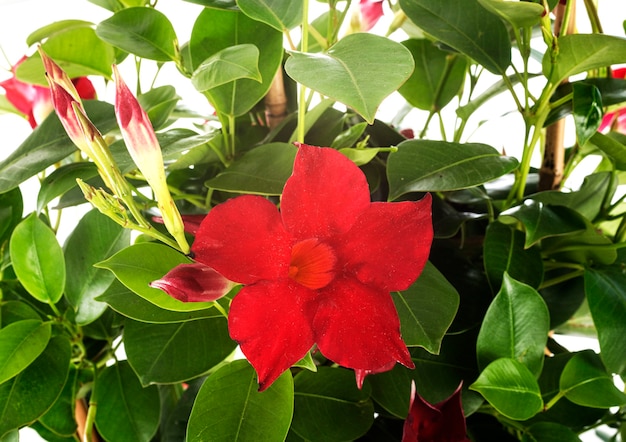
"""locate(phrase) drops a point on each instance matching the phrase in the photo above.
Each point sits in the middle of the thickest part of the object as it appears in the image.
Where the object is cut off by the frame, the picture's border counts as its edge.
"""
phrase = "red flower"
(320, 270)
(34, 101)
(371, 11)
(615, 120)
(442, 422)
(193, 283)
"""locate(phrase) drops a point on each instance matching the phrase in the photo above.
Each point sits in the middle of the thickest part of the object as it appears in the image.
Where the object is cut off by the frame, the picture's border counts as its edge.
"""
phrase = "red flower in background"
(371, 11)
(442, 422)
(34, 101)
(320, 270)
(615, 120)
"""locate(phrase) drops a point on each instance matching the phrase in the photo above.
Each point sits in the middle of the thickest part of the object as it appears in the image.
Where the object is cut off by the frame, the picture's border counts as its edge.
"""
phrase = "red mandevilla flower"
(615, 120)
(35, 101)
(371, 12)
(320, 270)
(442, 422)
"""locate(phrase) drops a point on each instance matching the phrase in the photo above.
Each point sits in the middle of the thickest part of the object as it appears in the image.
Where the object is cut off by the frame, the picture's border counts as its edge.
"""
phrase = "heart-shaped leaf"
(229, 64)
(356, 71)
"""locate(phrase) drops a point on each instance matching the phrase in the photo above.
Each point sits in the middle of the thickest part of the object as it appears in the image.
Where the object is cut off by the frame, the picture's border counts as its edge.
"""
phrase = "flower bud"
(194, 283)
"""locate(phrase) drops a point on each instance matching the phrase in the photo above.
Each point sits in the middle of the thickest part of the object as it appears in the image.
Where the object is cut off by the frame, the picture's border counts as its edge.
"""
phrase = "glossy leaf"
(583, 52)
(612, 148)
(549, 432)
(504, 252)
(587, 107)
(140, 264)
(465, 26)
(168, 353)
(510, 388)
(31, 393)
(282, 15)
(62, 180)
(159, 103)
(83, 249)
(229, 407)
(47, 145)
(52, 29)
(588, 247)
(585, 381)
(235, 28)
(606, 295)
(543, 221)
(145, 32)
(61, 419)
(263, 170)
(38, 260)
(126, 410)
(426, 309)
(11, 208)
(425, 166)
(354, 71)
(515, 326)
(329, 406)
(20, 344)
(437, 78)
(14, 311)
(229, 64)
(518, 14)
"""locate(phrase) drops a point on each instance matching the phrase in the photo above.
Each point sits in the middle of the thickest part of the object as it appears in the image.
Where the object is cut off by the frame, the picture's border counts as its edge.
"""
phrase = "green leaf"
(169, 353)
(20, 344)
(437, 78)
(14, 311)
(518, 14)
(350, 137)
(140, 264)
(354, 71)
(329, 406)
(31, 393)
(229, 407)
(83, 249)
(426, 309)
(587, 248)
(227, 65)
(606, 295)
(57, 27)
(133, 306)
(61, 419)
(159, 102)
(583, 52)
(217, 29)
(465, 26)
(543, 221)
(425, 166)
(37, 260)
(262, 170)
(585, 381)
(62, 180)
(587, 107)
(145, 32)
(126, 410)
(515, 326)
(281, 15)
(510, 388)
(549, 432)
(49, 144)
(612, 148)
(11, 208)
(361, 157)
(503, 251)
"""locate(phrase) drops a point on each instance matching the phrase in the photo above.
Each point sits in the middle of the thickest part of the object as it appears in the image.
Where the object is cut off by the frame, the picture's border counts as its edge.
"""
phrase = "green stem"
(304, 46)
(562, 278)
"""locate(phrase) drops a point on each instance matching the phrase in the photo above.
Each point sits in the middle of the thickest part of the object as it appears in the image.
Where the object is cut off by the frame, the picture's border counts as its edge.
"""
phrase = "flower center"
(312, 263)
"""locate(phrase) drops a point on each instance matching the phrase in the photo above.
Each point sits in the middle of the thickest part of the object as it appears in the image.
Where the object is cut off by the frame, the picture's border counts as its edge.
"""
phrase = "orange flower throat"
(312, 263)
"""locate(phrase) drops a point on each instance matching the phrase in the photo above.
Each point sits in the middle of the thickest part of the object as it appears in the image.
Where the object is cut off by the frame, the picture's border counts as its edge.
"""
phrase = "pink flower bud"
(193, 283)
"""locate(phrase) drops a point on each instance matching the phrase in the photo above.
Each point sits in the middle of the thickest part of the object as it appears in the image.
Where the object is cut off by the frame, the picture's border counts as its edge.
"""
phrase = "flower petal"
(389, 244)
(193, 283)
(371, 11)
(271, 323)
(325, 194)
(357, 326)
(244, 240)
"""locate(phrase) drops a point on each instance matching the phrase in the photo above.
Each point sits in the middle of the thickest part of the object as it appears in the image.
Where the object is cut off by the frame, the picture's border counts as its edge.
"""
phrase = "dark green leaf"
(606, 295)
(437, 78)
(516, 326)
(229, 407)
(587, 106)
(518, 14)
(329, 406)
(144, 32)
(263, 170)
(282, 15)
(424, 166)
(159, 102)
(426, 309)
(31, 393)
(354, 71)
(549, 432)
(587, 248)
(510, 388)
(126, 410)
(62, 180)
(229, 64)
(168, 353)
(465, 26)
(217, 29)
(37, 260)
(585, 381)
(612, 148)
(61, 418)
(11, 208)
(83, 249)
(14, 311)
(349, 137)
(20, 344)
